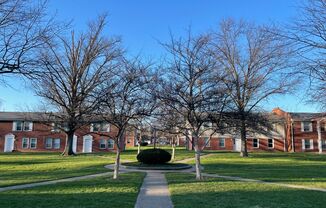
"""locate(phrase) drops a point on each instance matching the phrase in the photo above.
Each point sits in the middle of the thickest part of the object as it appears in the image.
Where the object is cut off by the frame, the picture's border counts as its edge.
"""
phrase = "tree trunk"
(117, 164)
(173, 151)
(139, 141)
(154, 139)
(244, 151)
(69, 142)
(138, 150)
(320, 146)
(197, 163)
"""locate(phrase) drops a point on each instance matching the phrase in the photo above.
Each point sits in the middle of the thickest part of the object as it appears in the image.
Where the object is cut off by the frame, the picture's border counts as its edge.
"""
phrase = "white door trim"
(9, 146)
(236, 144)
(74, 144)
(87, 149)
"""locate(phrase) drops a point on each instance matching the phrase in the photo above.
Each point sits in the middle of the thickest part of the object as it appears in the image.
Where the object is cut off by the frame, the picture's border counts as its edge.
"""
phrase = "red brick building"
(302, 134)
(25, 132)
(292, 132)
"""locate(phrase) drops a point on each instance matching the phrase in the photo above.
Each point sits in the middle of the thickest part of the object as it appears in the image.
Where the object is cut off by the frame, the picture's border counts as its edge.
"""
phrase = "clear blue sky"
(141, 23)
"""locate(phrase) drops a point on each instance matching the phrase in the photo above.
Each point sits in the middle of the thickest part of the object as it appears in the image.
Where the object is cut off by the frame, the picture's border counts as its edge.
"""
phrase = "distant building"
(291, 132)
(26, 132)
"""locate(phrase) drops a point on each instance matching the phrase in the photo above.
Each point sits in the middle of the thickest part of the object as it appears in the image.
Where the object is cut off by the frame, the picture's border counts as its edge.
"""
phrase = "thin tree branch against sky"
(141, 23)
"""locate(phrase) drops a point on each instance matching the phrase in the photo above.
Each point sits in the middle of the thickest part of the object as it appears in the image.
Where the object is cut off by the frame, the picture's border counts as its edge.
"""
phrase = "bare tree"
(73, 68)
(23, 31)
(188, 90)
(308, 31)
(126, 99)
(256, 64)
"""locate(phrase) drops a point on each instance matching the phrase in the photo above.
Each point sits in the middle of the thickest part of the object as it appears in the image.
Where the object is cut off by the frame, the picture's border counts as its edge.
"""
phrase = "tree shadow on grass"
(98, 192)
(188, 193)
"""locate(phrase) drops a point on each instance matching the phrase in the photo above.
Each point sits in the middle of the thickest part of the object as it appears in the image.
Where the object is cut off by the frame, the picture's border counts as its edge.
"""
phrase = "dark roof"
(306, 116)
(21, 116)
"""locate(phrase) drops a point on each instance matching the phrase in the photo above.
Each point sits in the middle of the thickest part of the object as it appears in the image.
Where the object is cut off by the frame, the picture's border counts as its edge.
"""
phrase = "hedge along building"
(290, 132)
(27, 132)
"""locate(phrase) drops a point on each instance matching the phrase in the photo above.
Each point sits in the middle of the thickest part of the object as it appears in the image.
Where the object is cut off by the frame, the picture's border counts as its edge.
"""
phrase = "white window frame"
(253, 143)
(51, 141)
(219, 142)
(54, 143)
(311, 144)
(27, 143)
(113, 143)
(303, 124)
(323, 126)
(105, 143)
(14, 126)
(272, 143)
(30, 143)
(24, 124)
(55, 127)
(323, 144)
(28, 126)
(100, 127)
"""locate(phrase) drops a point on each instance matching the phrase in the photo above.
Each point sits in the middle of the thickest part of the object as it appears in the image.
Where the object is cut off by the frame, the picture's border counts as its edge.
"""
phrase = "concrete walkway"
(31, 185)
(154, 192)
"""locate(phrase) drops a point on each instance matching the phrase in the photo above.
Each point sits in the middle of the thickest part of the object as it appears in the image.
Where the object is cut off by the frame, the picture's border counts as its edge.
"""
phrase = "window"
(48, 143)
(102, 144)
(17, 126)
(33, 143)
(255, 143)
(25, 143)
(22, 126)
(323, 127)
(270, 143)
(110, 144)
(100, 126)
(207, 142)
(55, 127)
(56, 143)
(28, 126)
(306, 126)
(307, 144)
(221, 142)
(323, 144)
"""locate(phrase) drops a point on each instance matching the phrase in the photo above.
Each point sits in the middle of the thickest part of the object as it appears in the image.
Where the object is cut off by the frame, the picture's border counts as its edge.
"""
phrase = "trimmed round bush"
(154, 156)
(143, 143)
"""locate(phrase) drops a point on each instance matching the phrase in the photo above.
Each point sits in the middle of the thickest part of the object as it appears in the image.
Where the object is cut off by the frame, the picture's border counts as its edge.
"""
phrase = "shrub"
(154, 156)
(143, 143)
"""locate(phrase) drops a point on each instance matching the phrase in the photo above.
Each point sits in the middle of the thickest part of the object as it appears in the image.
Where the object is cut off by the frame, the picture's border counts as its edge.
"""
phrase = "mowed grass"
(213, 192)
(308, 169)
(90, 193)
(21, 168)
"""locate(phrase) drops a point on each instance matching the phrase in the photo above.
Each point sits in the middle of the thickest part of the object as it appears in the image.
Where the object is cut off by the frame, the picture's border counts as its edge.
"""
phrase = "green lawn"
(97, 192)
(212, 192)
(19, 168)
(307, 169)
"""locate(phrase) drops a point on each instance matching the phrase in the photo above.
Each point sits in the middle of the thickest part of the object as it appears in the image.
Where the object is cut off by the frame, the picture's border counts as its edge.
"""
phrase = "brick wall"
(42, 131)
